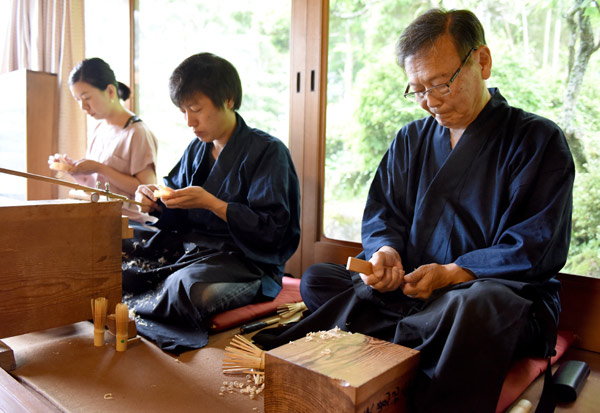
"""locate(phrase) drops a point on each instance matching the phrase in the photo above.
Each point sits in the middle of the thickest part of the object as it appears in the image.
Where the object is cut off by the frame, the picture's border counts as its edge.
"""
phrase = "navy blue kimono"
(255, 175)
(499, 205)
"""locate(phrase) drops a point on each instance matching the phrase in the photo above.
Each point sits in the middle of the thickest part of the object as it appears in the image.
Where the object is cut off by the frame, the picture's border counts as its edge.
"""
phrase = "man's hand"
(388, 272)
(424, 280)
(145, 195)
(188, 198)
(196, 197)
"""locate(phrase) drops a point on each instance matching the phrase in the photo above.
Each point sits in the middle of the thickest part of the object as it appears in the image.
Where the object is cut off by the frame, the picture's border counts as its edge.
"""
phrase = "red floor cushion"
(290, 293)
(525, 371)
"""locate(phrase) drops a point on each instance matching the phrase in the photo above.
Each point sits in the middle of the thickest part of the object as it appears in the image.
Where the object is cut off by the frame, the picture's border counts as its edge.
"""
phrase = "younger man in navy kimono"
(229, 222)
(466, 223)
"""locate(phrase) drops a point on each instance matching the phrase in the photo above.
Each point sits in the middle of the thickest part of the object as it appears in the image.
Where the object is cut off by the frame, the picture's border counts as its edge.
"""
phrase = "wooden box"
(337, 371)
(55, 256)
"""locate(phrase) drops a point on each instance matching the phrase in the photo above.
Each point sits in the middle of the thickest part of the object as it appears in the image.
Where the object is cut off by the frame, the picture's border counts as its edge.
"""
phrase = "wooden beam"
(16, 398)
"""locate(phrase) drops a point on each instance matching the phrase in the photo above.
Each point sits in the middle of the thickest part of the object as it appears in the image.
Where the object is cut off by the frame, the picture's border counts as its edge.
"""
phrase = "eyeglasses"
(438, 90)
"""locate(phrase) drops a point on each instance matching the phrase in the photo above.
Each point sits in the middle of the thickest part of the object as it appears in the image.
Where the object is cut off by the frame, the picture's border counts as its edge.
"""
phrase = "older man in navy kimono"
(229, 218)
(466, 224)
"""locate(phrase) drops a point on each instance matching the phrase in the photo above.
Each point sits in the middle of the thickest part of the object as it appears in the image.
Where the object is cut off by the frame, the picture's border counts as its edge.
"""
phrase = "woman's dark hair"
(464, 27)
(97, 73)
(208, 74)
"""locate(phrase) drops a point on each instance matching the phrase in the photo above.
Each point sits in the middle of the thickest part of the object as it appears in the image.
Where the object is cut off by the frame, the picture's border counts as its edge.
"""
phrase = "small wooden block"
(7, 357)
(358, 265)
(347, 373)
(126, 230)
(111, 323)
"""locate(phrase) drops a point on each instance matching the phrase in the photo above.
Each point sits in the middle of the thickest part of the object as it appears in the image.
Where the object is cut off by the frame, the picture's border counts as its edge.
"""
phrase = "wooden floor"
(62, 368)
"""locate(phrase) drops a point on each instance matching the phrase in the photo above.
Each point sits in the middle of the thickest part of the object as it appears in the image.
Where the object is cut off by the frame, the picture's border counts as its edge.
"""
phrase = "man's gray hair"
(464, 27)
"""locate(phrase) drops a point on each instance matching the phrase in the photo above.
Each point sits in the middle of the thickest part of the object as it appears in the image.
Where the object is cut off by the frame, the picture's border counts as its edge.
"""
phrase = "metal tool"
(61, 182)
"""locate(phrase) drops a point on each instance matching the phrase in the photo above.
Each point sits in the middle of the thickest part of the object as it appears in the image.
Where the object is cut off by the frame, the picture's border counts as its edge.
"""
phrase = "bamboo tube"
(361, 266)
(122, 321)
(358, 265)
(99, 306)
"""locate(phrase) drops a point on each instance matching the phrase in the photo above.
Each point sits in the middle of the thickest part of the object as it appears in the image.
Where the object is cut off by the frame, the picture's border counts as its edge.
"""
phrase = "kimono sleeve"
(386, 218)
(267, 226)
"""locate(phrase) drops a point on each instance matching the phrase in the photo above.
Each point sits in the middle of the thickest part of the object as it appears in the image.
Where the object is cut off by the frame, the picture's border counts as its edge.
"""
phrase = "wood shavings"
(108, 396)
(140, 263)
(332, 334)
(254, 386)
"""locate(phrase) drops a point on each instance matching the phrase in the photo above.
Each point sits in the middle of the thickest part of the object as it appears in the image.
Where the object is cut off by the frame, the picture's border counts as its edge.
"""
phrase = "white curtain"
(48, 36)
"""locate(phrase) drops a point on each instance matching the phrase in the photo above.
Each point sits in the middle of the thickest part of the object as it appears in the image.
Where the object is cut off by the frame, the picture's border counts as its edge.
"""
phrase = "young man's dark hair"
(208, 74)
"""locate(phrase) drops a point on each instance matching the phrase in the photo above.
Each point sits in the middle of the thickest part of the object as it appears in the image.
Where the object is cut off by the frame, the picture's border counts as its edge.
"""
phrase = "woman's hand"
(58, 162)
(86, 167)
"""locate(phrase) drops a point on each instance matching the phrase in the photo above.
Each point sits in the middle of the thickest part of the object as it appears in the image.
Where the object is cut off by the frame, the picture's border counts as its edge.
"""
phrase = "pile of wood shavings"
(255, 384)
(327, 335)
(141, 263)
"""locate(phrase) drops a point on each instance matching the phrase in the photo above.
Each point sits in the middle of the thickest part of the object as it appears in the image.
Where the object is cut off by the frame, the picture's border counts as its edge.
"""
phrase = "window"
(107, 37)
(530, 48)
(253, 35)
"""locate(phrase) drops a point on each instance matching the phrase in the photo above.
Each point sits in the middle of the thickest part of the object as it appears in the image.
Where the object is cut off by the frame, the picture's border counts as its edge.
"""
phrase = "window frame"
(309, 49)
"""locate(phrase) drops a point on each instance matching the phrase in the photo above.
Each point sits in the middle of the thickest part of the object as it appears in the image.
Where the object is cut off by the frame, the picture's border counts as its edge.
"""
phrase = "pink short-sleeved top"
(129, 150)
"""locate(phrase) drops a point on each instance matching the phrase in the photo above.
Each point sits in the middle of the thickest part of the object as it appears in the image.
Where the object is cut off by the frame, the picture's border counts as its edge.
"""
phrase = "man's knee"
(320, 282)
(314, 275)
(486, 301)
(218, 297)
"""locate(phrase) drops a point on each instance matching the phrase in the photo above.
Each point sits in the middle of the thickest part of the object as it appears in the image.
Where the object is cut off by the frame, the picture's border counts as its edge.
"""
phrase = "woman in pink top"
(123, 149)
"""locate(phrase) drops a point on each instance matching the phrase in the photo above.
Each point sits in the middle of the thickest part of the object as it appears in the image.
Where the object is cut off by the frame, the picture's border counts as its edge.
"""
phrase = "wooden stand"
(347, 373)
(55, 256)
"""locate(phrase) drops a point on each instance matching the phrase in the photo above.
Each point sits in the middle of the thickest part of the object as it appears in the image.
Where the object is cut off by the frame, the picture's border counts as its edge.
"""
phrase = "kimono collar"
(446, 184)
